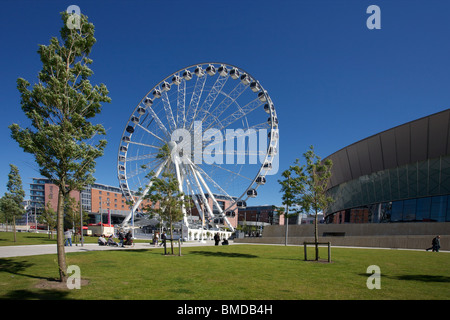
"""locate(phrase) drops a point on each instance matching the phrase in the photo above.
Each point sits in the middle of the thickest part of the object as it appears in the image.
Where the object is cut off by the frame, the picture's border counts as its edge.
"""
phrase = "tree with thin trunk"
(48, 217)
(167, 200)
(313, 199)
(11, 203)
(291, 187)
(61, 138)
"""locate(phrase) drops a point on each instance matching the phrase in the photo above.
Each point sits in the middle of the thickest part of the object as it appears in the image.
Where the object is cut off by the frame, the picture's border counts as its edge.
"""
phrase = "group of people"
(217, 240)
(156, 239)
(124, 240)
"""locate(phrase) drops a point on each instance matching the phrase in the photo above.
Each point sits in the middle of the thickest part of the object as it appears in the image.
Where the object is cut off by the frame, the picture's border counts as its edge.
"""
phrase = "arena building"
(399, 175)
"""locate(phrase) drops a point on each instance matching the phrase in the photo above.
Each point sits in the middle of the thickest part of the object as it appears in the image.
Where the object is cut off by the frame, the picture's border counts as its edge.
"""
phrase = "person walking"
(435, 244)
(155, 239)
(68, 237)
(163, 239)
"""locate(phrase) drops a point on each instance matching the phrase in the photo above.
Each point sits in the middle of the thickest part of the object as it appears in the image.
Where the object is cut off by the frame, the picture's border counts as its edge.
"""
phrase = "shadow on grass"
(224, 254)
(36, 295)
(423, 278)
(17, 268)
(413, 277)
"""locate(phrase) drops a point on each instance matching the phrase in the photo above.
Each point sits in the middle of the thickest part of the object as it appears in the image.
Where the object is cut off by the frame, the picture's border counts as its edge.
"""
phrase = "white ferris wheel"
(221, 129)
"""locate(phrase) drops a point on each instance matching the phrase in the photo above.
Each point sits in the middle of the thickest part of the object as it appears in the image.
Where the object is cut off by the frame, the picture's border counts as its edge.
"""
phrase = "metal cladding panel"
(353, 161)
(437, 141)
(344, 165)
(419, 139)
(402, 139)
(375, 153)
(336, 177)
(389, 149)
(364, 158)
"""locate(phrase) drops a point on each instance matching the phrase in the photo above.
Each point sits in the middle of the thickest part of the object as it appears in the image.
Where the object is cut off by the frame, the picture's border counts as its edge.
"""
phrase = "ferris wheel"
(219, 128)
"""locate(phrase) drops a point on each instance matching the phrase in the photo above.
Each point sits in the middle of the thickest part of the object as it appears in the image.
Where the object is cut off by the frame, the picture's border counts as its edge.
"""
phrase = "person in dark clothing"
(216, 239)
(121, 238)
(435, 244)
(163, 239)
(128, 239)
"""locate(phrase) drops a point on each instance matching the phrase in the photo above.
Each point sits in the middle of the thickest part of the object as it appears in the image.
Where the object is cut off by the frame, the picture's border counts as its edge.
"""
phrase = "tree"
(61, 138)
(11, 204)
(72, 215)
(291, 187)
(165, 193)
(48, 217)
(313, 198)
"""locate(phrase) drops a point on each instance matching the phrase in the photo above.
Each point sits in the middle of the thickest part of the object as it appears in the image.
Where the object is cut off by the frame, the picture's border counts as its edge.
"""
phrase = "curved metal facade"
(407, 162)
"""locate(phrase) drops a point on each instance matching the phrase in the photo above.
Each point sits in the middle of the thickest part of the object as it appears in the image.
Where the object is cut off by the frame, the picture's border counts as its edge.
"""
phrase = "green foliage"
(167, 200)
(317, 174)
(61, 138)
(59, 105)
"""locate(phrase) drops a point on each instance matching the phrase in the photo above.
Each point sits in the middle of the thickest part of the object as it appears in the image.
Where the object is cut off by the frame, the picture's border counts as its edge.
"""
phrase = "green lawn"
(247, 272)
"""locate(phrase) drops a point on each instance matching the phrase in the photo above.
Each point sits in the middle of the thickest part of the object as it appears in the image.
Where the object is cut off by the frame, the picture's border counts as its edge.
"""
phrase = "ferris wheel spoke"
(237, 174)
(181, 108)
(158, 122)
(168, 110)
(211, 98)
(151, 133)
(216, 185)
(225, 104)
(144, 144)
(138, 202)
(250, 132)
(142, 157)
(195, 100)
(241, 112)
(147, 167)
(213, 198)
(202, 194)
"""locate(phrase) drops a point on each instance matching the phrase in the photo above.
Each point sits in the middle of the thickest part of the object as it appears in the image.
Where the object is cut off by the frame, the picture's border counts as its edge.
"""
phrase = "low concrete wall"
(383, 235)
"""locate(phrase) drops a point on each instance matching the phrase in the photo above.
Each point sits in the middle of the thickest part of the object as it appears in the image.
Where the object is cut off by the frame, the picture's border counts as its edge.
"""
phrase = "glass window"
(397, 211)
(434, 176)
(403, 182)
(423, 209)
(409, 210)
(438, 208)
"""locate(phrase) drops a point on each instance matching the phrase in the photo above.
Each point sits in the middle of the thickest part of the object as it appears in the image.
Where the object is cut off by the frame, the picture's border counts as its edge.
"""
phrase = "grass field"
(245, 272)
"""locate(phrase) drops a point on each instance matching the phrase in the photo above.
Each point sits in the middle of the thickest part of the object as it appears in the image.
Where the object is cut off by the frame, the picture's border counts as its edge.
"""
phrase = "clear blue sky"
(333, 81)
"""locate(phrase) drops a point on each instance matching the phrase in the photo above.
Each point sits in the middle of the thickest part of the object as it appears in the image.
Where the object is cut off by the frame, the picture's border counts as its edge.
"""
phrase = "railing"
(305, 244)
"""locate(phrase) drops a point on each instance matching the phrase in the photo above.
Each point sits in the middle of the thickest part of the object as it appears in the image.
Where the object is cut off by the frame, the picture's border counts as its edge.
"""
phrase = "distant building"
(259, 216)
(102, 202)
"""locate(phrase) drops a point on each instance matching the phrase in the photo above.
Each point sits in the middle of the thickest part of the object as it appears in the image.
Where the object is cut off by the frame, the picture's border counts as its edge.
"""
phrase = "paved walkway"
(31, 250)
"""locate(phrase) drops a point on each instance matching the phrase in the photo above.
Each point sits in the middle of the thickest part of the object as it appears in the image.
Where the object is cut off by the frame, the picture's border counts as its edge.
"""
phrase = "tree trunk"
(171, 237)
(60, 237)
(286, 222)
(316, 236)
(14, 228)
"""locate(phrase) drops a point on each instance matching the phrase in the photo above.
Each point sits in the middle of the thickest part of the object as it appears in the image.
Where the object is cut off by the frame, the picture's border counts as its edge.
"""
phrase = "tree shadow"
(224, 254)
(413, 277)
(17, 268)
(423, 278)
(43, 294)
